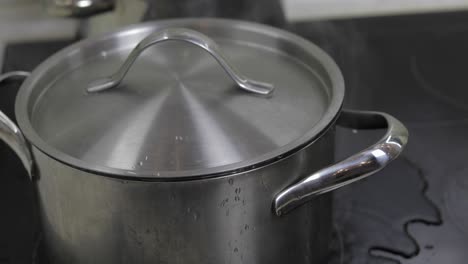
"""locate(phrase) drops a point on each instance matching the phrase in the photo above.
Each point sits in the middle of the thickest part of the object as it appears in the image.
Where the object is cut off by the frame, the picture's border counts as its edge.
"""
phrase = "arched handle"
(356, 167)
(190, 36)
(10, 133)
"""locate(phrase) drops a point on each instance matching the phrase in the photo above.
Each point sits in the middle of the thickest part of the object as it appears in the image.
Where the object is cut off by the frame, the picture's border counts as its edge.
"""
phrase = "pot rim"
(328, 118)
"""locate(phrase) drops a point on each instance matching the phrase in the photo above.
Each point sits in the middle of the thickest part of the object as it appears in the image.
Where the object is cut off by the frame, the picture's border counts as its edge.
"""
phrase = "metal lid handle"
(186, 35)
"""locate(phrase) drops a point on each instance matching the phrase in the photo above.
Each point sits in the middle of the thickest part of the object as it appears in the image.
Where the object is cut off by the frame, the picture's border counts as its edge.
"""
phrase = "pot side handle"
(356, 167)
(12, 135)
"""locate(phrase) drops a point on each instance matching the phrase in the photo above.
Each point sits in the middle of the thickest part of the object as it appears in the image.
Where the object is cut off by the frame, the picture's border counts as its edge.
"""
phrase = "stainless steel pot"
(166, 161)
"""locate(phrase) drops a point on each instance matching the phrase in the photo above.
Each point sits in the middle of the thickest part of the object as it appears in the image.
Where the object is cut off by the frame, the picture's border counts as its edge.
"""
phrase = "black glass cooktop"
(414, 211)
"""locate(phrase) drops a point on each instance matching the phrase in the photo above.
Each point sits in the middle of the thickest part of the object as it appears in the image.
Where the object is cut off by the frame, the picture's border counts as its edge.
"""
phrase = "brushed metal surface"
(176, 114)
(89, 218)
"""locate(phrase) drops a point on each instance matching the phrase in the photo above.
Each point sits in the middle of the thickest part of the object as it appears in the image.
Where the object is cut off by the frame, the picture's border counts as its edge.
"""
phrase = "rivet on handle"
(186, 35)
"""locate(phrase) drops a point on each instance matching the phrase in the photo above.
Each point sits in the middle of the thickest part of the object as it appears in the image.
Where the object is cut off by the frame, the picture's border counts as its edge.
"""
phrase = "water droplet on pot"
(246, 227)
(236, 250)
(263, 183)
(189, 210)
(223, 202)
(354, 131)
(140, 163)
(146, 157)
(195, 216)
(231, 181)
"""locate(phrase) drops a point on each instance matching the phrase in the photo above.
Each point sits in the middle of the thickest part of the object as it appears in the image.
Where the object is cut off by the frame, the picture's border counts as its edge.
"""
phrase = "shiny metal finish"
(190, 36)
(14, 75)
(356, 167)
(11, 134)
(177, 115)
(88, 218)
(175, 166)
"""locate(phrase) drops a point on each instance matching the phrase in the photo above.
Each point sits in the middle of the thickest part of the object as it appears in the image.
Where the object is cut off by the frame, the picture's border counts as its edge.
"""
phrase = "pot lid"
(180, 98)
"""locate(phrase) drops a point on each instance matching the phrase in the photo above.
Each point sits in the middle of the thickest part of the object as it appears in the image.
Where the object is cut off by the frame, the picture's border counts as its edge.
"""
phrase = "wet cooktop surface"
(412, 212)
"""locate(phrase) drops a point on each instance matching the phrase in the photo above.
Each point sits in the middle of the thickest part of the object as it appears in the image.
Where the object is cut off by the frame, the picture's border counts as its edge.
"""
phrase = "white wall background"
(300, 10)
